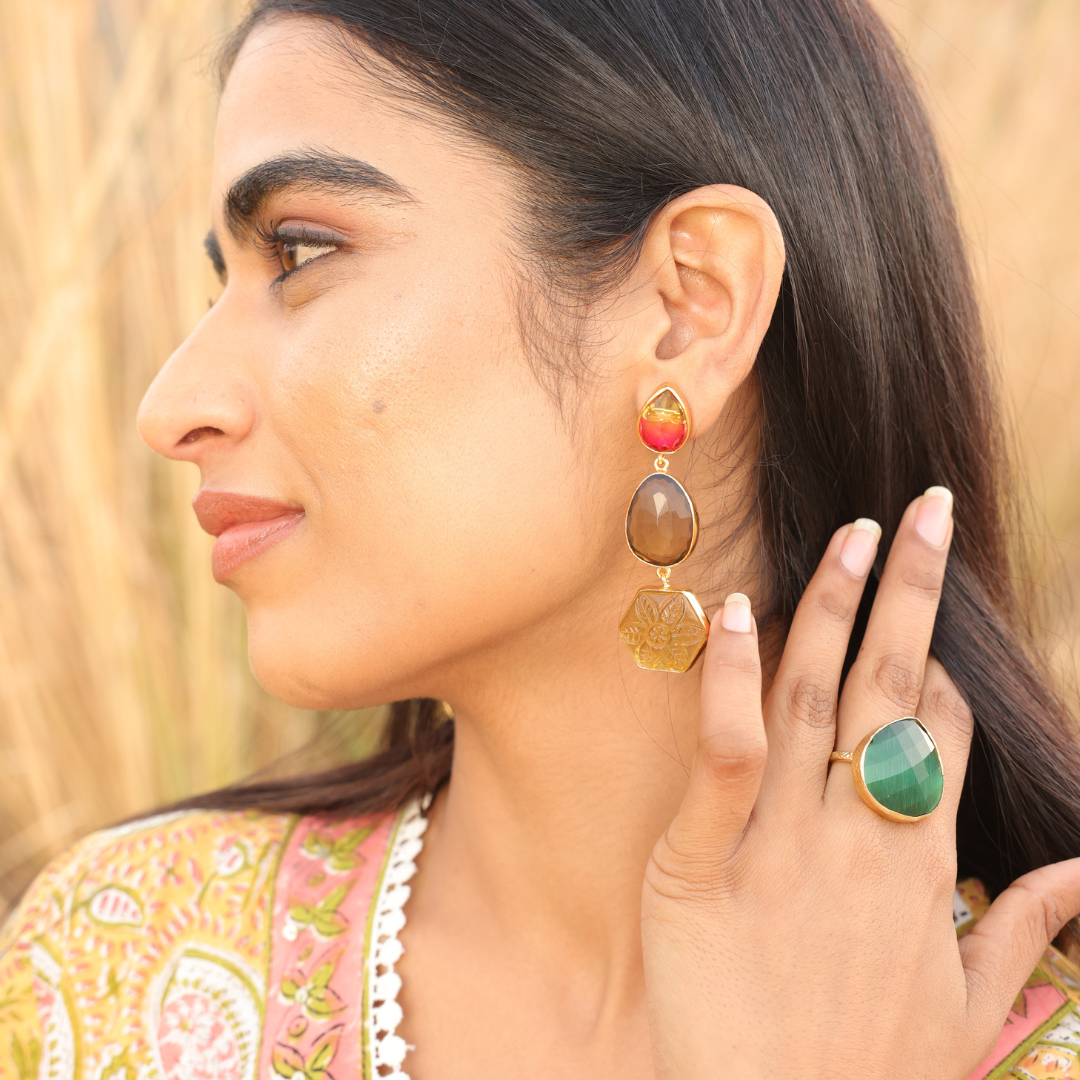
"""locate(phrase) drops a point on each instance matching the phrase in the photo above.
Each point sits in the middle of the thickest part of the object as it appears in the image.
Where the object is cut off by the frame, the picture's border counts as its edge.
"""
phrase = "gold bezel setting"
(859, 753)
(685, 411)
(693, 515)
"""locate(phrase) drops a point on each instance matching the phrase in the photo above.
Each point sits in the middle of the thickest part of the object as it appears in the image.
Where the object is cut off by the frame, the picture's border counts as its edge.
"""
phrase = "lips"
(245, 526)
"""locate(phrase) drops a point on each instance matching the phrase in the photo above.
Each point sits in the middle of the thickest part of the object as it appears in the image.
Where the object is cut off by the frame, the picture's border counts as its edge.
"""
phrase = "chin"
(326, 671)
(294, 687)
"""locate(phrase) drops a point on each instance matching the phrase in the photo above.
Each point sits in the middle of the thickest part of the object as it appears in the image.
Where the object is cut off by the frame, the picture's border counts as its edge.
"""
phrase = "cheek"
(446, 504)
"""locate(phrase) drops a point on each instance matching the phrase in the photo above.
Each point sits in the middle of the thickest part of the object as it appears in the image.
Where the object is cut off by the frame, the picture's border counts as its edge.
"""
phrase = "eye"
(293, 246)
(293, 254)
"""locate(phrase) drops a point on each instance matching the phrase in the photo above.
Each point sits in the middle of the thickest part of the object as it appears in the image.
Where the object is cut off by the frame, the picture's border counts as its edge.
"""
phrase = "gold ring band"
(897, 770)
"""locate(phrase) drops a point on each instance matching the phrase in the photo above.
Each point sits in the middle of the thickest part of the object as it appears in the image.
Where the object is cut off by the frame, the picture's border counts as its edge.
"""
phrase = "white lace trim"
(388, 1049)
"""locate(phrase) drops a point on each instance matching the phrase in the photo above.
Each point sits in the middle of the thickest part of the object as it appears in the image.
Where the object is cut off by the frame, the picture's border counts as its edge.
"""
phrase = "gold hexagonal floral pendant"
(665, 629)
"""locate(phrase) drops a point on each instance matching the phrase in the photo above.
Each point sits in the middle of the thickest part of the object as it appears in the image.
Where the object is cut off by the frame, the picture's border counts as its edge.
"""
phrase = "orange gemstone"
(660, 525)
(663, 424)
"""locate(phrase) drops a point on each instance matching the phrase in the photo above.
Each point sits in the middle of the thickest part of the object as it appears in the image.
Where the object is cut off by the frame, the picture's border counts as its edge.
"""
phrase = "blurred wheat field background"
(123, 677)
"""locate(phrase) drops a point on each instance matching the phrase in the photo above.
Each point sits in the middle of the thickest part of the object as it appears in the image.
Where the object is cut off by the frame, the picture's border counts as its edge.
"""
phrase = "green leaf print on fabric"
(288, 1062)
(340, 855)
(27, 1058)
(314, 994)
(323, 917)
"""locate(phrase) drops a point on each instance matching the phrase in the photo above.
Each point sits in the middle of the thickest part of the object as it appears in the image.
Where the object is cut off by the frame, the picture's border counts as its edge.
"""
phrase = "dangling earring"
(664, 628)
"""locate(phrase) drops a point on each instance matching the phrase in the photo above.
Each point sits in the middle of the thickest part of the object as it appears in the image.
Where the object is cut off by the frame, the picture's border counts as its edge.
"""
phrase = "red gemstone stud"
(664, 422)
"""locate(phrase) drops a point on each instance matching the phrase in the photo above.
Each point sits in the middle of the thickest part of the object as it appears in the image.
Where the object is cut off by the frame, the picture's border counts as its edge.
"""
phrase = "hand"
(789, 930)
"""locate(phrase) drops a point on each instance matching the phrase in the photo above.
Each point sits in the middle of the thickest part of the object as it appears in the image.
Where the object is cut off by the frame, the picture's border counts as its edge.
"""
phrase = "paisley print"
(209, 1018)
(114, 906)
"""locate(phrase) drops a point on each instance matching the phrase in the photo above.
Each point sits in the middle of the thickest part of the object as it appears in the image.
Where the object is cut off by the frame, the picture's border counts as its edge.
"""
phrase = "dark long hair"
(874, 377)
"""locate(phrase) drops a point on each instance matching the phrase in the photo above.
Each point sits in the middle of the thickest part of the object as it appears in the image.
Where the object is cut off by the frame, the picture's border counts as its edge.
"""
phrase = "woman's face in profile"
(419, 496)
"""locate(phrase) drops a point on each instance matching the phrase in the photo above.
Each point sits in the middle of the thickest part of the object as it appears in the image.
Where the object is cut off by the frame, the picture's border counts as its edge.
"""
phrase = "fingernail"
(932, 517)
(860, 546)
(736, 613)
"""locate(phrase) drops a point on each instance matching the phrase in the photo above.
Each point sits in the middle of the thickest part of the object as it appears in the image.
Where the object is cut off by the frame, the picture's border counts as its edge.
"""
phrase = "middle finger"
(886, 679)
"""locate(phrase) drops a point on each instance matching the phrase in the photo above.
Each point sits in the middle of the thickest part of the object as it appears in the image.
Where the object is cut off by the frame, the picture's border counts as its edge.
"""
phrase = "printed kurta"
(212, 946)
(236, 946)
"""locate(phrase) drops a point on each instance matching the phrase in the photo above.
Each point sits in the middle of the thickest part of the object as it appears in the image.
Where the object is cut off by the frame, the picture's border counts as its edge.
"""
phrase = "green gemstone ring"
(897, 770)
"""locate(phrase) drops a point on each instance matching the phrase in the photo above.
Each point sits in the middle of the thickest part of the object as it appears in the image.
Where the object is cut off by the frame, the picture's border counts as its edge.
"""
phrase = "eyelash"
(273, 239)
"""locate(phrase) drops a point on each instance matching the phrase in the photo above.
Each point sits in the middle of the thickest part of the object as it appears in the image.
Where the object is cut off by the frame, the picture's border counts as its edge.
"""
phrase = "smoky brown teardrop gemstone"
(661, 526)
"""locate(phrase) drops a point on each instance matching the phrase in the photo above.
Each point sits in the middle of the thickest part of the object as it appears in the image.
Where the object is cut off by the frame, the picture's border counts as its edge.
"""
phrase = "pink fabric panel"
(314, 994)
(1042, 1002)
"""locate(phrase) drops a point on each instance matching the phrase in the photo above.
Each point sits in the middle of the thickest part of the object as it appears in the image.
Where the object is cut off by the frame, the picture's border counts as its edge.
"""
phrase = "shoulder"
(1041, 1036)
(135, 927)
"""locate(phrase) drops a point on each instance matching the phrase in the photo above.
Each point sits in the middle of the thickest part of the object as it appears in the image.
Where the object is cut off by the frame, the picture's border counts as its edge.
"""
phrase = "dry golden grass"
(123, 680)
(1003, 85)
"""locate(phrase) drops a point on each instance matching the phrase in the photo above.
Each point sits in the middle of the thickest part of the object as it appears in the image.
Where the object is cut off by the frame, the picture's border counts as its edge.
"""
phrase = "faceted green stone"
(902, 769)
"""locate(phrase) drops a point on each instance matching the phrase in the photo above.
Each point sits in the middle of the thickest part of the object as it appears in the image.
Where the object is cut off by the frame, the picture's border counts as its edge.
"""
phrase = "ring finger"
(947, 717)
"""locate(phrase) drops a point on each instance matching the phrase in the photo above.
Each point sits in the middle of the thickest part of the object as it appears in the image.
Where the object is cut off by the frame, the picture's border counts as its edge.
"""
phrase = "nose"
(202, 399)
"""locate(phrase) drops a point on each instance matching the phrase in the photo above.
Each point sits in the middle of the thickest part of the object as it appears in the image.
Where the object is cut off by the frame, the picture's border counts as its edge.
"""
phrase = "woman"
(475, 254)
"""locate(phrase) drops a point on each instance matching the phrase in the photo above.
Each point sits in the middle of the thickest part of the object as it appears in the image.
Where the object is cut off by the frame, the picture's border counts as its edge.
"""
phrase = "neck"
(567, 769)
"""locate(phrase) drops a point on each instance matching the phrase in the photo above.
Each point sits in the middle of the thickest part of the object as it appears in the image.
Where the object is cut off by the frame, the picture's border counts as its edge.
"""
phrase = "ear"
(714, 259)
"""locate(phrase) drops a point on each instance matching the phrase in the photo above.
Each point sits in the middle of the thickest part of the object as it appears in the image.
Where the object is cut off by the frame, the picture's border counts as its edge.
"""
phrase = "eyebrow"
(309, 170)
(214, 253)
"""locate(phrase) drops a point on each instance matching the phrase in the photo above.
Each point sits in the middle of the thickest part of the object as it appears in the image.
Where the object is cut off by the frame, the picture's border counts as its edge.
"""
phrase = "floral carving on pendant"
(664, 629)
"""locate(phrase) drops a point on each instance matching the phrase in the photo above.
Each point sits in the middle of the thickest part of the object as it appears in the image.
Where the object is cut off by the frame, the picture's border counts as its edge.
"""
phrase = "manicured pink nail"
(933, 516)
(736, 614)
(860, 546)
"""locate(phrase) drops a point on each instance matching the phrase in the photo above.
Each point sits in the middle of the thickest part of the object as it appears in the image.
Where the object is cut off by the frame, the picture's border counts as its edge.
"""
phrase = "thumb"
(1002, 949)
(732, 747)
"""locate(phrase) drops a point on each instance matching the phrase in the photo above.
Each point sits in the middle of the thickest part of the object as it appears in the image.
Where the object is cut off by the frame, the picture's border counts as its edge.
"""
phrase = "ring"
(897, 770)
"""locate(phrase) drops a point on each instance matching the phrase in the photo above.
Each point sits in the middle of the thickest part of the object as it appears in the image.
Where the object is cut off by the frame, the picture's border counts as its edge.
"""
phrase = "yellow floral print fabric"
(195, 946)
(236, 946)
